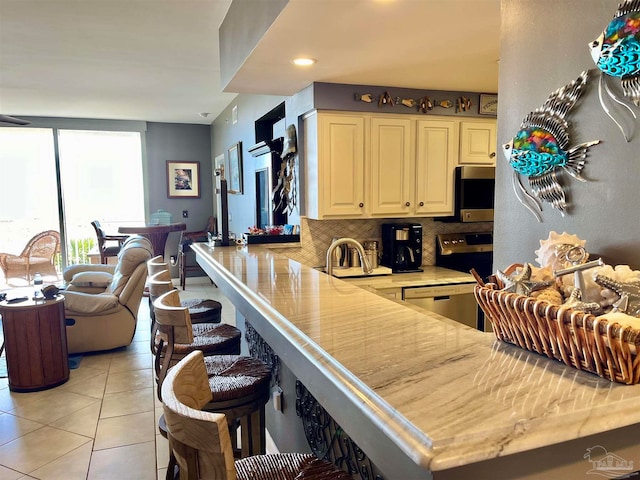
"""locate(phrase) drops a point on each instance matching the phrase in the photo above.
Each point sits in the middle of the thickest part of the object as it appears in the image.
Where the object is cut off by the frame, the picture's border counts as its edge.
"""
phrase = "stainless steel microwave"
(474, 192)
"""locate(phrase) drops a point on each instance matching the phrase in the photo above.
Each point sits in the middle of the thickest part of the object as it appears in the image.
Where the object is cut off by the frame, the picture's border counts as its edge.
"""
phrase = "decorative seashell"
(541, 274)
(621, 274)
(547, 254)
(622, 318)
(550, 294)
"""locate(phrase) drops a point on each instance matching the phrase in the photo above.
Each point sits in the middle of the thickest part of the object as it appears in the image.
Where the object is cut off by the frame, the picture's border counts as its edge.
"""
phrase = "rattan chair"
(108, 245)
(36, 257)
(200, 441)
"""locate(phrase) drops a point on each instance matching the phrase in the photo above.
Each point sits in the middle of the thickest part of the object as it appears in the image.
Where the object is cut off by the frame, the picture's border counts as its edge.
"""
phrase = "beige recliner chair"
(102, 301)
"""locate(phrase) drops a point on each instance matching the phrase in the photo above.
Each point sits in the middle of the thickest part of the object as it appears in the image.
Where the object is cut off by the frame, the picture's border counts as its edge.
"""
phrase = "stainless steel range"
(464, 251)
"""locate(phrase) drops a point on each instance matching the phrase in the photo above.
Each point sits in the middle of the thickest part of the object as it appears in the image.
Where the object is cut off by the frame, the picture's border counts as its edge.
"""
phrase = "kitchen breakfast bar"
(422, 396)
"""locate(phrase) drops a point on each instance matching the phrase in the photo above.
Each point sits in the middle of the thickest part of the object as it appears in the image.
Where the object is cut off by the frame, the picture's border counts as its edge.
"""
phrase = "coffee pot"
(402, 247)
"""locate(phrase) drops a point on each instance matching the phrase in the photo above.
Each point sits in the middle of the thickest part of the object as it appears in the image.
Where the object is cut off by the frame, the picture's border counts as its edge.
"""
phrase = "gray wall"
(543, 47)
(180, 142)
(224, 134)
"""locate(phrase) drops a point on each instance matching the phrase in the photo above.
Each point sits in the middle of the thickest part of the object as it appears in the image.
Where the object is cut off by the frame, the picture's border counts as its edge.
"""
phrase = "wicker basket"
(573, 337)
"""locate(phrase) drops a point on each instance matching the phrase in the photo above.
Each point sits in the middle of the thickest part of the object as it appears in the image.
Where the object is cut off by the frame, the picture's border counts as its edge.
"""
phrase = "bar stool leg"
(253, 437)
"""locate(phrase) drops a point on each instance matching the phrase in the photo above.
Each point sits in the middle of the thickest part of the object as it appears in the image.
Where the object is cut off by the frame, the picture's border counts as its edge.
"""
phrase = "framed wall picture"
(234, 176)
(183, 179)
(488, 104)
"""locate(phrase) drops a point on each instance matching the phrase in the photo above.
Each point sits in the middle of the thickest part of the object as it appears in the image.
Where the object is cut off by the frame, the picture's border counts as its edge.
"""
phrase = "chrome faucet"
(364, 261)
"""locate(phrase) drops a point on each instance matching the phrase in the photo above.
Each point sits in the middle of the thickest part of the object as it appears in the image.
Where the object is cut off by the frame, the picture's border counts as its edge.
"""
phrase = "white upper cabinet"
(362, 165)
(436, 157)
(392, 166)
(478, 142)
(334, 146)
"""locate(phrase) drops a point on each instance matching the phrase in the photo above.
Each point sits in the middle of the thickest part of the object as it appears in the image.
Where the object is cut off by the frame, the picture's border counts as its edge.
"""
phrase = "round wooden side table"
(35, 338)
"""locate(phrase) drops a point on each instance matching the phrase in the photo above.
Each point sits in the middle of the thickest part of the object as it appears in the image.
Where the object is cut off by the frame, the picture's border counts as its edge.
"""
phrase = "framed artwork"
(183, 179)
(234, 176)
(488, 104)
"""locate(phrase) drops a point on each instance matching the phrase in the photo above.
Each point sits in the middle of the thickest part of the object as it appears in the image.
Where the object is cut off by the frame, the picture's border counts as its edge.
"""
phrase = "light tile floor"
(102, 423)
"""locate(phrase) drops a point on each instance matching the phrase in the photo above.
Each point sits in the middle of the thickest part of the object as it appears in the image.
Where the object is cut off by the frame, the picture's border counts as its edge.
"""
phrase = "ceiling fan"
(13, 120)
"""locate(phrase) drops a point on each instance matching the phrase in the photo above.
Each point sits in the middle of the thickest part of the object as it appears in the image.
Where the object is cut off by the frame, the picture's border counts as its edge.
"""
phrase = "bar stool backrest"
(157, 264)
(199, 440)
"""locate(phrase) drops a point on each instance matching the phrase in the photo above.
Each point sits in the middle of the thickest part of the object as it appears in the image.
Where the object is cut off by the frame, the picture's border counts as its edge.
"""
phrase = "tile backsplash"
(316, 236)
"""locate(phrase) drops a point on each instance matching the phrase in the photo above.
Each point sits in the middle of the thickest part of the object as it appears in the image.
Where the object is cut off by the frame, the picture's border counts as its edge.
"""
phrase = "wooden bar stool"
(202, 310)
(200, 442)
(240, 385)
(213, 338)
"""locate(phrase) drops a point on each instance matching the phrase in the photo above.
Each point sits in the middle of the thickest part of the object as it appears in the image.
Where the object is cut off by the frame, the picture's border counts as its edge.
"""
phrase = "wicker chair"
(108, 245)
(37, 257)
(200, 440)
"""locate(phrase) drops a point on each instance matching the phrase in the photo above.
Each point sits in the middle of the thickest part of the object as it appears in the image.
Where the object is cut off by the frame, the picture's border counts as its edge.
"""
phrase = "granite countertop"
(447, 396)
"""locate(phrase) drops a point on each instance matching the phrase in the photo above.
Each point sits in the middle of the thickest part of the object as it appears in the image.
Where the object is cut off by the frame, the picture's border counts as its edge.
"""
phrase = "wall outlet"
(185, 213)
(276, 396)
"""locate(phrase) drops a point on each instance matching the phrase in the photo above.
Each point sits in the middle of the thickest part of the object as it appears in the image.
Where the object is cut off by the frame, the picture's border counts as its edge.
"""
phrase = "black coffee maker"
(402, 247)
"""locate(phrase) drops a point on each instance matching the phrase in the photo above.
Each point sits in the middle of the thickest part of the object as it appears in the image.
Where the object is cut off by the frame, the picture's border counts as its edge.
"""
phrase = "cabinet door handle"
(422, 204)
(361, 204)
(492, 154)
(408, 204)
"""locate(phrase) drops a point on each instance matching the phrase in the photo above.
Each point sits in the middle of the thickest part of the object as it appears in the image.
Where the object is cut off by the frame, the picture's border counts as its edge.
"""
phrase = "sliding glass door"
(101, 179)
(28, 188)
(59, 179)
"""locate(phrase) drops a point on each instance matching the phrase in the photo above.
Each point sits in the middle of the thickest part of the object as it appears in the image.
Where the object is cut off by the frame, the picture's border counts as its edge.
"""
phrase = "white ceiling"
(158, 60)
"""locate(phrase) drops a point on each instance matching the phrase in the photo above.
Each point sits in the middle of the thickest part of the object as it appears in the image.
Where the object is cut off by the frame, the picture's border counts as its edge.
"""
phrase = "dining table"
(157, 233)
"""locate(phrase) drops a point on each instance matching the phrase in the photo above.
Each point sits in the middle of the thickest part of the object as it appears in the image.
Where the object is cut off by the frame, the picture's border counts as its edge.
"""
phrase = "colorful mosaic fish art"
(616, 52)
(541, 148)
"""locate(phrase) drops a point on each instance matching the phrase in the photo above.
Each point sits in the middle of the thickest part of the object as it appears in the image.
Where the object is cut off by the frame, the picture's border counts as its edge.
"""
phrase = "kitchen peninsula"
(422, 397)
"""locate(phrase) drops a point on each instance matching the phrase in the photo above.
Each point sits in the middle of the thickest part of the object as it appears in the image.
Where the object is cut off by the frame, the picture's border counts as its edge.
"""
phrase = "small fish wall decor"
(385, 99)
(407, 102)
(616, 52)
(425, 104)
(365, 97)
(443, 103)
(541, 147)
(422, 105)
(463, 104)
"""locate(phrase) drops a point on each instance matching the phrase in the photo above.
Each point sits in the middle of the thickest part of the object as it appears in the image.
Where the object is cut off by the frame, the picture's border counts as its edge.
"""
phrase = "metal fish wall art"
(541, 147)
(616, 52)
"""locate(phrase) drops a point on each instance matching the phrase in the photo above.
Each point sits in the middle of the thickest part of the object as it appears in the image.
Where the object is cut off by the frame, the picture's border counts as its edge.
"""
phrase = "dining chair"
(186, 239)
(108, 245)
(200, 441)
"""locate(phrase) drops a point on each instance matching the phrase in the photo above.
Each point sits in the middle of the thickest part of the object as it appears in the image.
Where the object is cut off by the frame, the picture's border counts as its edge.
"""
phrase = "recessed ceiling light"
(303, 61)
